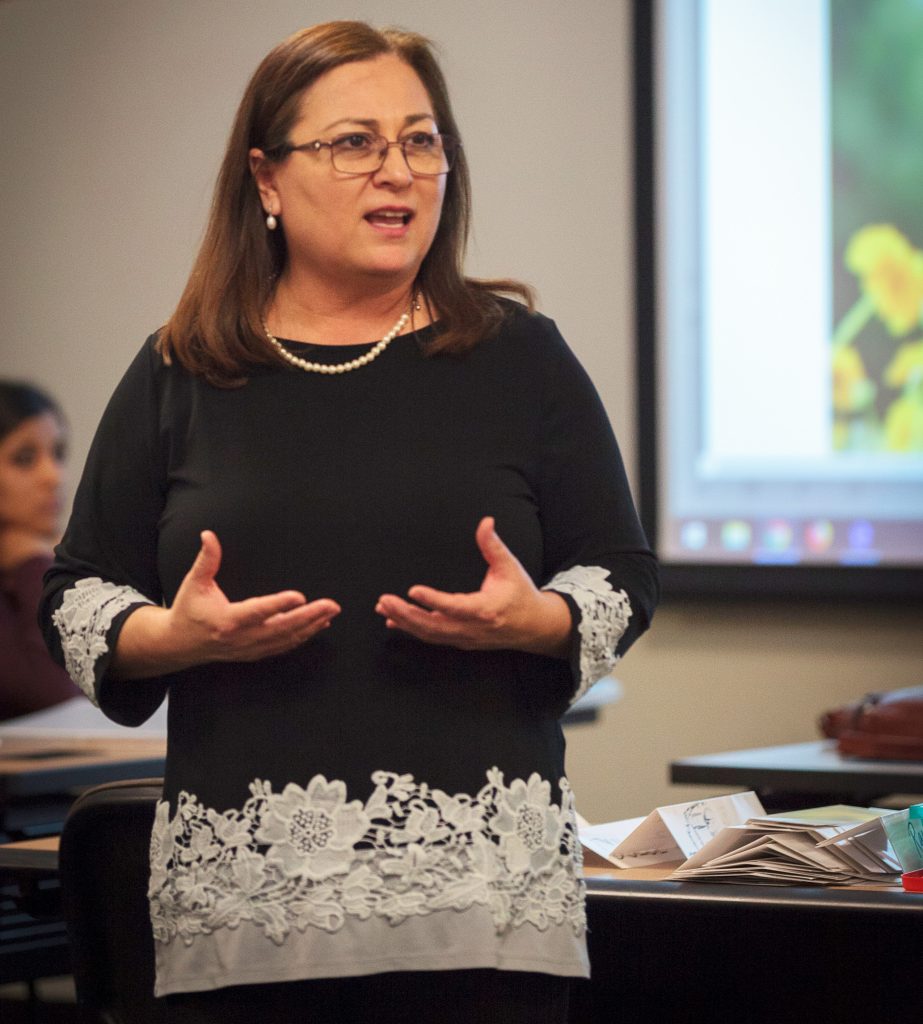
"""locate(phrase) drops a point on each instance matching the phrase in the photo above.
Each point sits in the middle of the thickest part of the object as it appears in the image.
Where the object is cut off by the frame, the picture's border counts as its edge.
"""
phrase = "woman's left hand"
(509, 611)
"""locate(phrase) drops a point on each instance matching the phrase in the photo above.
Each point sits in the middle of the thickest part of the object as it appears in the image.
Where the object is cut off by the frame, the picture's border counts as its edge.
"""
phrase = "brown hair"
(216, 329)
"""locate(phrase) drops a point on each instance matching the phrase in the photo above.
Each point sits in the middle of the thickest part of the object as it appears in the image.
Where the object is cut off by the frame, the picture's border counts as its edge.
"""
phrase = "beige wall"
(113, 114)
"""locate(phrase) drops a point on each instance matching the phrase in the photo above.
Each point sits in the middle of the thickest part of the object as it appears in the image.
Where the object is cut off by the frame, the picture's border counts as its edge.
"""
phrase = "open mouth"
(389, 218)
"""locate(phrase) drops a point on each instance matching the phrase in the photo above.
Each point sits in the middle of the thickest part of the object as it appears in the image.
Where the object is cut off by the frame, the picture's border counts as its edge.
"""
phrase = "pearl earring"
(271, 222)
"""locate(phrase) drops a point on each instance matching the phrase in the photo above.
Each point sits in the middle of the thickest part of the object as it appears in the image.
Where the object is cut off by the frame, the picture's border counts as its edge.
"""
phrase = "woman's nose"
(394, 169)
(51, 470)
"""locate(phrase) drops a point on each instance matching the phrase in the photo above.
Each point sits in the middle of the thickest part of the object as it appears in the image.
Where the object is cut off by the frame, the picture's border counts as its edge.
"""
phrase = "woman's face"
(31, 475)
(343, 228)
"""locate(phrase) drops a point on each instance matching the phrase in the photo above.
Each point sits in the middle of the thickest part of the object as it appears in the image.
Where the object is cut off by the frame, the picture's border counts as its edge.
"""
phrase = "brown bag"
(881, 725)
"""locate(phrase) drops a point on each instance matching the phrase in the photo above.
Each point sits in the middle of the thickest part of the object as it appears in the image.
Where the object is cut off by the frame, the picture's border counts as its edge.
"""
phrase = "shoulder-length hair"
(216, 331)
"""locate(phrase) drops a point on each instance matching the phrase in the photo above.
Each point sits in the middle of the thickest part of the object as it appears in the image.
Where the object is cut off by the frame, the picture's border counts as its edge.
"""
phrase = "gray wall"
(113, 116)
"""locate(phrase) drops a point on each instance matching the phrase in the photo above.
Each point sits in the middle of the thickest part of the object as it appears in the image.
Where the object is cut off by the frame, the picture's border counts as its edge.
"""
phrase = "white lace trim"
(604, 615)
(83, 622)
(310, 858)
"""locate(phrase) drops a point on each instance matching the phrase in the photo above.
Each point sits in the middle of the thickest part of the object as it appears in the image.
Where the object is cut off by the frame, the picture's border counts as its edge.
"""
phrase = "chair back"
(104, 871)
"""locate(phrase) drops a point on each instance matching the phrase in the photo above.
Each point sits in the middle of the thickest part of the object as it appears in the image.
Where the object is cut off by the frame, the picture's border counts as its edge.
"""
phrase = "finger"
(256, 610)
(208, 560)
(493, 550)
(392, 607)
(427, 626)
(397, 608)
(430, 626)
(288, 630)
(458, 606)
(292, 638)
(281, 644)
(304, 616)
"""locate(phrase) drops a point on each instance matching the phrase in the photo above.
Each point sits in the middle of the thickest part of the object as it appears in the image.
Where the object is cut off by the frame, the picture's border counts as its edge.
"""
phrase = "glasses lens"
(356, 153)
(428, 153)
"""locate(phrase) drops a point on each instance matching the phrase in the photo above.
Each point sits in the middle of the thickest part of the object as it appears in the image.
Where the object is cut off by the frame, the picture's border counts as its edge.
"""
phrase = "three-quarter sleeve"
(106, 565)
(596, 554)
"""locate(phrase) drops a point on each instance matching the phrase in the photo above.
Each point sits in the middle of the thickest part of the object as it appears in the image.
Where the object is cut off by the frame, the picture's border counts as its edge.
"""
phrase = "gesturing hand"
(202, 625)
(509, 611)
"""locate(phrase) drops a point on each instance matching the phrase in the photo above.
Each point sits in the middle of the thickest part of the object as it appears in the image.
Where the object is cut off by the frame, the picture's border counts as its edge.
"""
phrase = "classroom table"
(800, 774)
(40, 774)
(700, 953)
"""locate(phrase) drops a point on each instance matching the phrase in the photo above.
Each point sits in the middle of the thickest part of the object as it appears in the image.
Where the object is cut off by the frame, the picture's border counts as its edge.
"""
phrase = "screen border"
(694, 579)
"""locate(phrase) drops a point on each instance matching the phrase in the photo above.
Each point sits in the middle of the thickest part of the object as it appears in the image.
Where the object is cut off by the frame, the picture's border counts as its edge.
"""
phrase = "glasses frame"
(451, 146)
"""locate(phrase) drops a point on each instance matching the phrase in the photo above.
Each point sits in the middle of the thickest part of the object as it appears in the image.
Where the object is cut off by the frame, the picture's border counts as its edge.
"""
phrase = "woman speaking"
(366, 521)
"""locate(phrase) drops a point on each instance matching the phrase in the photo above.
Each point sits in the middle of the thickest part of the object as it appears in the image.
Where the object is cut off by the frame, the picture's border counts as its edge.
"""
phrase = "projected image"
(876, 107)
(788, 245)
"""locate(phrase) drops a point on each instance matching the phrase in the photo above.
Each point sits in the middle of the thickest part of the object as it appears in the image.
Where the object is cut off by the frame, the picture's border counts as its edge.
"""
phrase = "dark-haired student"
(33, 438)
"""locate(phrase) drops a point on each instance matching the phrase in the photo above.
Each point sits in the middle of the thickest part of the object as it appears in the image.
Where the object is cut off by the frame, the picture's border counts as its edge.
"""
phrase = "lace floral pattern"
(310, 858)
(604, 615)
(83, 622)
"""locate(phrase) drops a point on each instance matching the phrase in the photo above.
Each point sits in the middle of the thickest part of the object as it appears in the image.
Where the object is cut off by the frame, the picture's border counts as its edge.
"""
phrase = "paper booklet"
(732, 839)
(668, 834)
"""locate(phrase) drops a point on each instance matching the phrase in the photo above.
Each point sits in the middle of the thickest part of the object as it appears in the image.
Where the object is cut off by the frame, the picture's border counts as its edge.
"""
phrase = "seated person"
(32, 446)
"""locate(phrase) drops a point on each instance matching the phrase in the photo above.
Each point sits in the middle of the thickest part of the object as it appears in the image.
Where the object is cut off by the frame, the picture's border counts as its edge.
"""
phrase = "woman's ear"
(263, 172)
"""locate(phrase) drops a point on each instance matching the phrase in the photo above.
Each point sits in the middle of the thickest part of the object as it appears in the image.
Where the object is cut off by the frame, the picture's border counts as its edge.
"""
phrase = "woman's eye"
(355, 141)
(420, 140)
(24, 458)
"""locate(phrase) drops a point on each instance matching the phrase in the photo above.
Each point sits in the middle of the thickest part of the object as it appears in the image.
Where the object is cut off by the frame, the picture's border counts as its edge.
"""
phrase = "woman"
(400, 573)
(32, 447)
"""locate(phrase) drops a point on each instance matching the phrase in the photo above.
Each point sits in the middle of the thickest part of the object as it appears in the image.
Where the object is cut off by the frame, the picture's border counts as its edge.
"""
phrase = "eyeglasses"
(426, 153)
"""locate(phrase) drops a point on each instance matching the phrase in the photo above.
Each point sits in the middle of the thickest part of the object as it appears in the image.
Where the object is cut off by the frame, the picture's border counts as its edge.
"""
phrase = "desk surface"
(799, 767)
(41, 856)
(30, 856)
(37, 765)
(653, 882)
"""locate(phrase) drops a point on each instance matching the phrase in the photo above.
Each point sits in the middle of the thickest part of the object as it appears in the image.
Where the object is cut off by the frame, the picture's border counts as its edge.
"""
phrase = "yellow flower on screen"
(906, 367)
(904, 424)
(852, 390)
(891, 273)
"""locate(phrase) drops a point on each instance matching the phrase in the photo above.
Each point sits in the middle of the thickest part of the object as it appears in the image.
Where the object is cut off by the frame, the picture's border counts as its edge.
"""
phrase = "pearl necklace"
(353, 364)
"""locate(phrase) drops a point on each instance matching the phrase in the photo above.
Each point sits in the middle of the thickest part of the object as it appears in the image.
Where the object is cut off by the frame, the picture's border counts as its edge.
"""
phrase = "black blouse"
(349, 486)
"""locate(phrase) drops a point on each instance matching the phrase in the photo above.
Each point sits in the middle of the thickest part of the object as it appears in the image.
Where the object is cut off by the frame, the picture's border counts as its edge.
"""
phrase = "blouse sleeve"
(106, 565)
(596, 554)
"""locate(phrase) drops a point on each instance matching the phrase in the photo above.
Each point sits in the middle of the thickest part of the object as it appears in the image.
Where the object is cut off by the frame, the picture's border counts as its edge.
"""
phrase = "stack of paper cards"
(732, 839)
(835, 845)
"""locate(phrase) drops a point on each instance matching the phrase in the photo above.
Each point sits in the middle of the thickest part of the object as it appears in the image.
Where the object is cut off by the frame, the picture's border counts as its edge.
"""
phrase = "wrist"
(552, 626)
(147, 645)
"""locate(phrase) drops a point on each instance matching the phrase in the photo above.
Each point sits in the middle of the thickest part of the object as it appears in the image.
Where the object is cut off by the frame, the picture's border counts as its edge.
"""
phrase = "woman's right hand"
(202, 625)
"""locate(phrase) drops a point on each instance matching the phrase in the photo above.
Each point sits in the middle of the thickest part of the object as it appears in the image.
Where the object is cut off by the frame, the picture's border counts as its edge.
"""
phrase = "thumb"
(208, 560)
(494, 551)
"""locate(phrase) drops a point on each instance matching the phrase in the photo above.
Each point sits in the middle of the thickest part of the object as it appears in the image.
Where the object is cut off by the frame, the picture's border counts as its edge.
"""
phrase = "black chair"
(104, 878)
